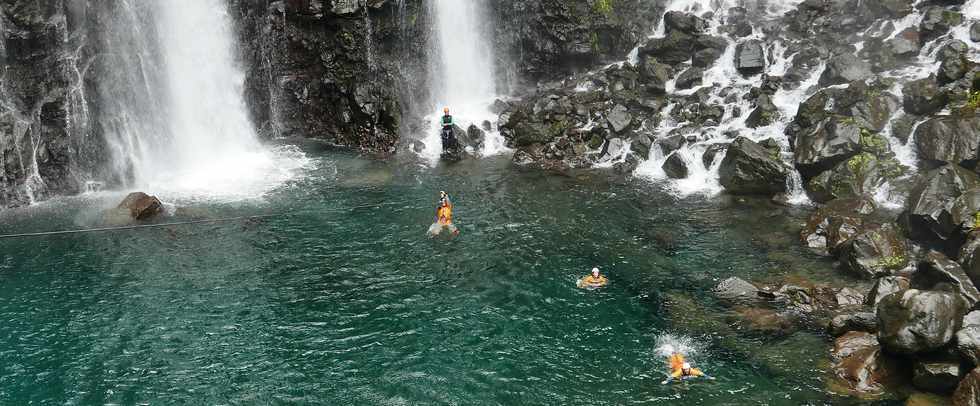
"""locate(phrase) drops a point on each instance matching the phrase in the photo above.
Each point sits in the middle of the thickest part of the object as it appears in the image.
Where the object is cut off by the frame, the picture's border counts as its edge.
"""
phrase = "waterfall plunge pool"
(344, 300)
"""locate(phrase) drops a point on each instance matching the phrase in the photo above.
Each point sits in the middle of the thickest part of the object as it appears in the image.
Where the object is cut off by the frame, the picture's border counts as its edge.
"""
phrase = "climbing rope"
(137, 226)
(178, 223)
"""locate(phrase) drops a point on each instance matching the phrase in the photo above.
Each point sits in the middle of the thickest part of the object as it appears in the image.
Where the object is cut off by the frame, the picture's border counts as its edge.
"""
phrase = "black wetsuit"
(448, 136)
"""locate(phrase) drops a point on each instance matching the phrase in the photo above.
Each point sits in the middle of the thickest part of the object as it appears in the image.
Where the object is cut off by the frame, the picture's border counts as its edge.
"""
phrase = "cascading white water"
(187, 134)
(462, 72)
(702, 177)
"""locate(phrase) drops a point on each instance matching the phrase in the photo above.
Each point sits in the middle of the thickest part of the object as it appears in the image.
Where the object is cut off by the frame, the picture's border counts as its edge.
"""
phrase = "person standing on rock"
(448, 138)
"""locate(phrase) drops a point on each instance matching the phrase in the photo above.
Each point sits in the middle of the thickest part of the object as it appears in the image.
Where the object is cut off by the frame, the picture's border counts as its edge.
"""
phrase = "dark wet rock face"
(548, 39)
(310, 73)
(916, 321)
(748, 168)
(750, 58)
(923, 97)
(844, 323)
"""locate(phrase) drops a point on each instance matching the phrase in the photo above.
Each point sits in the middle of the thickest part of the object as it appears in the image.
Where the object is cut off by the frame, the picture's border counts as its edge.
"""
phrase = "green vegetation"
(973, 100)
(860, 163)
(891, 263)
(603, 7)
(976, 220)
(873, 143)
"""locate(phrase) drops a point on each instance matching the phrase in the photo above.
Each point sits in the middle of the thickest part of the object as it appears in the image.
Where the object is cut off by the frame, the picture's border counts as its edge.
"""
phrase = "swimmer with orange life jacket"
(680, 369)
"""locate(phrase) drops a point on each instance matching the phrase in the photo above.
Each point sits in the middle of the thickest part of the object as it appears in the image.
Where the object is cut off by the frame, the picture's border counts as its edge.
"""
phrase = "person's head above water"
(445, 110)
(685, 367)
(595, 272)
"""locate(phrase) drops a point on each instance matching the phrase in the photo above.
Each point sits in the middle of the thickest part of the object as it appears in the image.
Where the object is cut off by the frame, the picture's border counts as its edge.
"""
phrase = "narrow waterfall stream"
(462, 73)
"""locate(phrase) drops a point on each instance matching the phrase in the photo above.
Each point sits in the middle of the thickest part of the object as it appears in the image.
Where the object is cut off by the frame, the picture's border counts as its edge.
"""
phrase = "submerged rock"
(736, 290)
(141, 206)
(916, 321)
(748, 168)
(968, 391)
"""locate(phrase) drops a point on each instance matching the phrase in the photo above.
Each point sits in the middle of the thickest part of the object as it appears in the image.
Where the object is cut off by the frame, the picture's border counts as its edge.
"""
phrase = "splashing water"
(176, 127)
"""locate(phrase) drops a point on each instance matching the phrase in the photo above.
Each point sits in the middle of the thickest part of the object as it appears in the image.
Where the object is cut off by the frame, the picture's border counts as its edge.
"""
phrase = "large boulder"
(876, 250)
(968, 391)
(748, 168)
(141, 206)
(923, 97)
(750, 58)
(928, 216)
(675, 48)
(938, 272)
(975, 32)
(952, 139)
(689, 78)
(845, 68)
(968, 339)
(917, 321)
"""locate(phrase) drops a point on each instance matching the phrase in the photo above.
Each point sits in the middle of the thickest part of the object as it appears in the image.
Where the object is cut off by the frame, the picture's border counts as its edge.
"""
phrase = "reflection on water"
(344, 300)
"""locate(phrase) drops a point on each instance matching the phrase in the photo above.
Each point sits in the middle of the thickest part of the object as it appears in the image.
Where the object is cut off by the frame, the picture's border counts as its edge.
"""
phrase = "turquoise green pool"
(343, 299)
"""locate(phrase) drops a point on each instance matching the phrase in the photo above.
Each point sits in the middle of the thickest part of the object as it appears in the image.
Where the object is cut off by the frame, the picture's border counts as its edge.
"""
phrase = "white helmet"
(595, 270)
(686, 366)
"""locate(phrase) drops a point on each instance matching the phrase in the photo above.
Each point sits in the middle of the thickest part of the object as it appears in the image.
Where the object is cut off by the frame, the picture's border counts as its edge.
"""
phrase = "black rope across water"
(177, 223)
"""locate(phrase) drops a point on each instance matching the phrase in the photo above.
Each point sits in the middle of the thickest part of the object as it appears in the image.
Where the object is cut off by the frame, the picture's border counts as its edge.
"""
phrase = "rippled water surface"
(344, 300)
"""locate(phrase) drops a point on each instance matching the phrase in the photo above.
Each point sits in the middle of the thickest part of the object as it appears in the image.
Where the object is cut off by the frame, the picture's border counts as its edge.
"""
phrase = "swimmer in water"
(593, 281)
(680, 369)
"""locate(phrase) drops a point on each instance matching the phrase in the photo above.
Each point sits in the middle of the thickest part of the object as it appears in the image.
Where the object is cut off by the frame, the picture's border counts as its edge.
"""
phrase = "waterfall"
(462, 72)
(174, 115)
